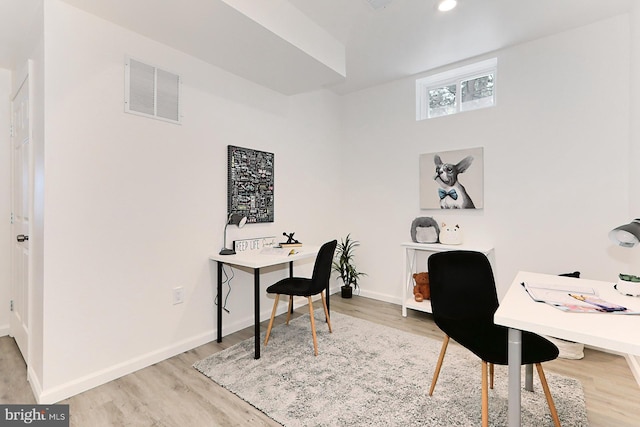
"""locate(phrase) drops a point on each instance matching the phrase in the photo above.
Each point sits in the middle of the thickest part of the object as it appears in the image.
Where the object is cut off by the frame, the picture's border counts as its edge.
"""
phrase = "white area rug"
(372, 375)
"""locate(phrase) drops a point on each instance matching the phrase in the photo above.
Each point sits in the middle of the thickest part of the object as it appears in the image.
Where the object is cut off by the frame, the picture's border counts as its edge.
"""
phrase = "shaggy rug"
(371, 375)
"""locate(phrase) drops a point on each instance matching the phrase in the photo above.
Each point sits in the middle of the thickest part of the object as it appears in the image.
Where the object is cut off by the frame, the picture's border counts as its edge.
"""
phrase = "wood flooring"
(172, 393)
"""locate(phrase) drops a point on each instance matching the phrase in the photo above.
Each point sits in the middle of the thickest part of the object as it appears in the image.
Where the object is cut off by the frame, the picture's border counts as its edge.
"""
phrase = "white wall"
(556, 179)
(134, 206)
(634, 148)
(5, 199)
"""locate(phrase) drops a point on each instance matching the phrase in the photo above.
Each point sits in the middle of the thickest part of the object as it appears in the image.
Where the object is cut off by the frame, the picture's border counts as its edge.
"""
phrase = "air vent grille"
(151, 92)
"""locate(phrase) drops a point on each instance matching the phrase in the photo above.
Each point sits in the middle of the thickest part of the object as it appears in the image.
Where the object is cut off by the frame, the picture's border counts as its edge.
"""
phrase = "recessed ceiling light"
(447, 5)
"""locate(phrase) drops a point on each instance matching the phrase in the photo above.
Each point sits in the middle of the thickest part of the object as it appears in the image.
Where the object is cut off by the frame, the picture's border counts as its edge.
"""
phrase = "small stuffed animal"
(421, 290)
(424, 229)
(450, 235)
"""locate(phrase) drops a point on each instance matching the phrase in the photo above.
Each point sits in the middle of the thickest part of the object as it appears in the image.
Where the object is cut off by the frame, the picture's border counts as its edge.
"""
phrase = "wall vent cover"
(151, 92)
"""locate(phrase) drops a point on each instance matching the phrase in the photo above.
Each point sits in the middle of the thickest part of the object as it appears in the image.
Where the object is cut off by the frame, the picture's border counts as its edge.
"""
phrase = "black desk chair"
(463, 301)
(299, 286)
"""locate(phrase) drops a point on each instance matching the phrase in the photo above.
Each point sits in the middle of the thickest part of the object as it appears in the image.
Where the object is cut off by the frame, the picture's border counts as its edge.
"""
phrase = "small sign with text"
(257, 244)
(34, 415)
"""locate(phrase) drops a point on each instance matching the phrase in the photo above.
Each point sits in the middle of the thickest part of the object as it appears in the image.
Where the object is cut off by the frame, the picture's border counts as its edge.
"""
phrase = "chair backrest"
(322, 267)
(462, 285)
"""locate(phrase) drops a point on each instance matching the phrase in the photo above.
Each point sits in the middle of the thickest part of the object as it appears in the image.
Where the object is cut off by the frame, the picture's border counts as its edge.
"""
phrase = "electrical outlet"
(178, 295)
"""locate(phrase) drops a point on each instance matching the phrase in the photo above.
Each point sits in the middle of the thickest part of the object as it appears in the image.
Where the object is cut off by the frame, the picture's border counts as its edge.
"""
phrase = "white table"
(257, 260)
(616, 332)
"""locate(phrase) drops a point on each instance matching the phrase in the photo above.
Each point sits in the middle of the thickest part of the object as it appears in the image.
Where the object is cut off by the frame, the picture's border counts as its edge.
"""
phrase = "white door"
(21, 208)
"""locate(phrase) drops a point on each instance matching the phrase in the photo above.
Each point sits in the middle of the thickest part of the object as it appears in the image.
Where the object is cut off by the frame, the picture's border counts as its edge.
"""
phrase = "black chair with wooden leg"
(306, 287)
(463, 301)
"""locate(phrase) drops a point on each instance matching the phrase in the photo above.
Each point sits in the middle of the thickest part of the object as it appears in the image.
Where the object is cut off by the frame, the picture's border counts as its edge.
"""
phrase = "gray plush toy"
(424, 229)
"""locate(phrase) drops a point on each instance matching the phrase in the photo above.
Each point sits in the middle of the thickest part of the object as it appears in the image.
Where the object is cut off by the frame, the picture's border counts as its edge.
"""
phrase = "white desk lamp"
(234, 219)
(627, 235)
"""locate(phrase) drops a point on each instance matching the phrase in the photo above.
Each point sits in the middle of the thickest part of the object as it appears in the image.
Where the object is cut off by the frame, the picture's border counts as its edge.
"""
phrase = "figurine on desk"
(291, 242)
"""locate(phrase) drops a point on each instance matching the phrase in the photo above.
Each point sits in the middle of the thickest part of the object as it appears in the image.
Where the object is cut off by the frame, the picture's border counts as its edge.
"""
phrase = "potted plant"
(343, 264)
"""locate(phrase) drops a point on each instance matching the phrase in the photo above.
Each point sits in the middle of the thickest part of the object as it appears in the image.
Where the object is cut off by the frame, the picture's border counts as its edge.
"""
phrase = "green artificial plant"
(343, 263)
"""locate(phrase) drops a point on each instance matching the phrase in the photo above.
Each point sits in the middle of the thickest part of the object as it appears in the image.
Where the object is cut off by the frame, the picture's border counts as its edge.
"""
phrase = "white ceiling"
(404, 38)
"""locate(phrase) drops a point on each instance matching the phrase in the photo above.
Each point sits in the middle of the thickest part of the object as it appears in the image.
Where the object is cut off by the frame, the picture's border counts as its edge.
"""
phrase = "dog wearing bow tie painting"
(452, 193)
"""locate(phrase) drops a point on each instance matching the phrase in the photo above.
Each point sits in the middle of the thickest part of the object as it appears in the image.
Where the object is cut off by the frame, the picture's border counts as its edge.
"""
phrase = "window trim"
(453, 76)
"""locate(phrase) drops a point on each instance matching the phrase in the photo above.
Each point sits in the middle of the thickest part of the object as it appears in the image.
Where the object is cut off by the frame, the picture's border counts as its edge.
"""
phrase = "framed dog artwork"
(452, 179)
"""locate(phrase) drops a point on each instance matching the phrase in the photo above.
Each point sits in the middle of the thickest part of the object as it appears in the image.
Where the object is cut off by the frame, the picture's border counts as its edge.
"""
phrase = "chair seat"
(489, 341)
(298, 286)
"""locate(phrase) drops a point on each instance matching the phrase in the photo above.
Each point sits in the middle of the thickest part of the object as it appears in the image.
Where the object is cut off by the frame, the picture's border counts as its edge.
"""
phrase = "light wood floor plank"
(172, 393)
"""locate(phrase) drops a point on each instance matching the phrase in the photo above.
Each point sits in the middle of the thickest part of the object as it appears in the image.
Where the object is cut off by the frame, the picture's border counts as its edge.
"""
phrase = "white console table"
(411, 256)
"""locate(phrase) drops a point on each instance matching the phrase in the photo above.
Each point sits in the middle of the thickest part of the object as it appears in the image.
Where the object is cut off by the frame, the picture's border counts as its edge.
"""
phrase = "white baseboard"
(79, 385)
(34, 383)
(4, 330)
(381, 297)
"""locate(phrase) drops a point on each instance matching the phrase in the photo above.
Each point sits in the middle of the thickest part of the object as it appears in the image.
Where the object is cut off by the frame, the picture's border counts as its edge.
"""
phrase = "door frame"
(27, 79)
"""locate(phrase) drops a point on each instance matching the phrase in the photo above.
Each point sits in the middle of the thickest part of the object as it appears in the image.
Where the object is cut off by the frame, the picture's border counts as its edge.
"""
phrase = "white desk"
(616, 332)
(258, 260)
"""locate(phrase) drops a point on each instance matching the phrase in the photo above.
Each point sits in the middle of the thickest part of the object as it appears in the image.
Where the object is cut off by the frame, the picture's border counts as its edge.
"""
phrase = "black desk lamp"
(234, 219)
(627, 235)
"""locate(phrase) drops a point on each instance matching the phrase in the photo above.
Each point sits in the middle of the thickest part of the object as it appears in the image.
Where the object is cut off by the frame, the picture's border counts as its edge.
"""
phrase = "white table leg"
(515, 358)
(405, 275)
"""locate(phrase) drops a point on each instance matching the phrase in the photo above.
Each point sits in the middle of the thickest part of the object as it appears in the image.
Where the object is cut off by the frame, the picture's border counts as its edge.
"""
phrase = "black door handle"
(21, 238)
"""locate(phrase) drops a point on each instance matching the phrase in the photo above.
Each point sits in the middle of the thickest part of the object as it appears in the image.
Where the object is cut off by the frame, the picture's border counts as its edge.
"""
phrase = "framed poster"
(250, 183)
(452, 179)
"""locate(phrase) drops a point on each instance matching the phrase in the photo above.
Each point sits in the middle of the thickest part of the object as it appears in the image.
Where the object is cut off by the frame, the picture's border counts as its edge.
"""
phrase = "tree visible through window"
(442, 100)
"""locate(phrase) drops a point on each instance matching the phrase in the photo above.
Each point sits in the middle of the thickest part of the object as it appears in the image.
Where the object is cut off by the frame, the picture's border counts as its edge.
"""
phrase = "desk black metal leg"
(219, 301)
(291, 275)
(256, 305)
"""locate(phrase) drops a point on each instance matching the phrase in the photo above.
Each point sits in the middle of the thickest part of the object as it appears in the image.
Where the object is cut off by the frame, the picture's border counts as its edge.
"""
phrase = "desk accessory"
(628, 285)
(627, 235)
(234, 219)
(291, 242)
(574, 299)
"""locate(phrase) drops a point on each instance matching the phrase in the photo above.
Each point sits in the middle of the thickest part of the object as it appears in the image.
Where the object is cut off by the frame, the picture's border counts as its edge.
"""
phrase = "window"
(461, 89)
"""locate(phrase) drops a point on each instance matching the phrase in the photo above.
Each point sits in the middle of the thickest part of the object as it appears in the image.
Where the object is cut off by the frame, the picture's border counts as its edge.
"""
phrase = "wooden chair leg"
(289, 308)
(436, 373)
(326, 311)
(547, 393)
(273, 315)
(491, 376)
(313, 328)
(485, 396)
